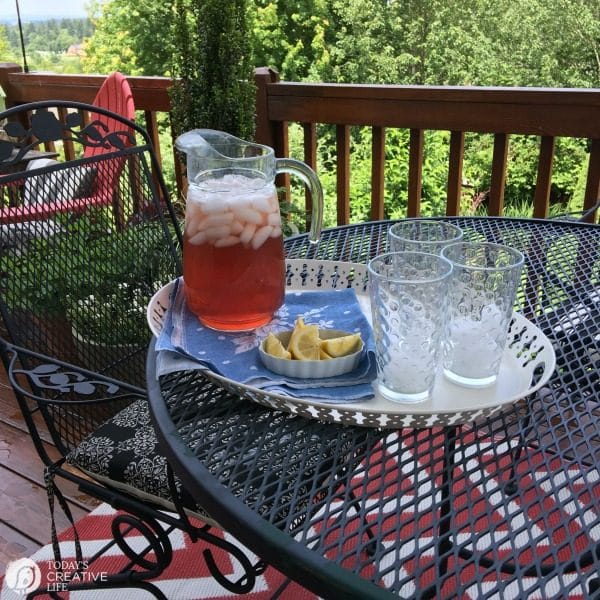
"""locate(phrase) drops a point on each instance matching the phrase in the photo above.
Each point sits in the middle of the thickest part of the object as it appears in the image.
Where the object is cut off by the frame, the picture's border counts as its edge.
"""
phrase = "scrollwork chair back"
(75, 278)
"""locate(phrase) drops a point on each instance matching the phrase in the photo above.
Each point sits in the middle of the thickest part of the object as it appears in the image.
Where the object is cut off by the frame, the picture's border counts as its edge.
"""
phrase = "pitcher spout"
(209, 150)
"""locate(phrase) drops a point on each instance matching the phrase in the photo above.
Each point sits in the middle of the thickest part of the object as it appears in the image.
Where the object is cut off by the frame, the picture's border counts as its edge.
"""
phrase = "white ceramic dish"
(311, 369)
(527, 364)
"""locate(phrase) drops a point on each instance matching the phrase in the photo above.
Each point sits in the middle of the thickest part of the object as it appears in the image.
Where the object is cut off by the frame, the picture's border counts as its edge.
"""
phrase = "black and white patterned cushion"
(124, 453)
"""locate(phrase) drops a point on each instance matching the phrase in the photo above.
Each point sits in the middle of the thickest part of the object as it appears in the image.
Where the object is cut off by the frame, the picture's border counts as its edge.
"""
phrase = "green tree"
(6, 51)
(132, 36)
(212, 65)
(291, 37)
(577, 42)
(363, 48)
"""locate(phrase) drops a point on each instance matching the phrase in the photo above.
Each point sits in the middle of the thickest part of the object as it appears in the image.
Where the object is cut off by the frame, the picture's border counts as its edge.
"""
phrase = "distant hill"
(12, 20)
(51, 35)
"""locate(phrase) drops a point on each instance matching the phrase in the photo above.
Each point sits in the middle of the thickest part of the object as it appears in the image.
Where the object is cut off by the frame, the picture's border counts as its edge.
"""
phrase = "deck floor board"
(24, 512)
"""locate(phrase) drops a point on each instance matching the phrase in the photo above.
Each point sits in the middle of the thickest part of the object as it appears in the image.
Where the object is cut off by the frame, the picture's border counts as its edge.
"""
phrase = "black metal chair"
(73, 289)
(582, 215)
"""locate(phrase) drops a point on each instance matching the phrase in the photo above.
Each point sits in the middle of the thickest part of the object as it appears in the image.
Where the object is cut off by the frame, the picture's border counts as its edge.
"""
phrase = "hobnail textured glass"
(422, 236)
(481, 296)
(408, 305)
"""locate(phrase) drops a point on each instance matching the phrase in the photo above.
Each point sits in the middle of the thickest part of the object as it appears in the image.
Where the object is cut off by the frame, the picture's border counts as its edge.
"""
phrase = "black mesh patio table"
(507, 506)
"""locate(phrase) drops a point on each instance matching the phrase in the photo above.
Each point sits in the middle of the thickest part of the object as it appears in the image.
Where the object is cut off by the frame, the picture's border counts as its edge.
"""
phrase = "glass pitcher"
(233, 259)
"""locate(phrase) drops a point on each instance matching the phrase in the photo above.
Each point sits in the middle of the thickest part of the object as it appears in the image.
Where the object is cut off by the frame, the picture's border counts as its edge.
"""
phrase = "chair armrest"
(579, 216)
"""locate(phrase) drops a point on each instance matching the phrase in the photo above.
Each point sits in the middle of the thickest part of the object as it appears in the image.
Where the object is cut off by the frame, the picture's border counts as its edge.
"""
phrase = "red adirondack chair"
(114, 95)
(85, 185)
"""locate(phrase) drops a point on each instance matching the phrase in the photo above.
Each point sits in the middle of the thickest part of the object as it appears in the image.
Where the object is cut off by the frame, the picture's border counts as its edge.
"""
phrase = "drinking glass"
(481, 298)
(408, 293)
(422, 236)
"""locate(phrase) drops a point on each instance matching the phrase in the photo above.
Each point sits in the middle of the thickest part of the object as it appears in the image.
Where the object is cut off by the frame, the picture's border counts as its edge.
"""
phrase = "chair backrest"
(74, 283)
(114, 95)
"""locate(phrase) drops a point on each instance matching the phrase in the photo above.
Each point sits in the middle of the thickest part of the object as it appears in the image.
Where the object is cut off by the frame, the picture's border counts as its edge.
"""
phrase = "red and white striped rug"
(187, 578)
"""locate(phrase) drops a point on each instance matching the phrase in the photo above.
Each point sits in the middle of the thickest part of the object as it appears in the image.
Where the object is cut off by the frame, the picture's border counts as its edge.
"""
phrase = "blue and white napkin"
(184, 343)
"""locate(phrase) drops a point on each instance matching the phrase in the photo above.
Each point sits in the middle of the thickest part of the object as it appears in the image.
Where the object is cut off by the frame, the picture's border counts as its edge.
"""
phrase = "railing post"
(415, 172)
(265, 132)
(592, 187)
(342, 144)
(377, 173)
(5, 69)
(310, 158)
(543, 184)
(457, 150)
(270, 133)
(498, 179)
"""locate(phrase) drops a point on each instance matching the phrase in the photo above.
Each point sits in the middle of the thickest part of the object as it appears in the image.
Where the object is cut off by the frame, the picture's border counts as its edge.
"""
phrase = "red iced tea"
(233, 264)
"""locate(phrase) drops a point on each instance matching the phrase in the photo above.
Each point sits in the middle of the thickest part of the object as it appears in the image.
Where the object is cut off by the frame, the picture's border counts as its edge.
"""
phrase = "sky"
(34, 9)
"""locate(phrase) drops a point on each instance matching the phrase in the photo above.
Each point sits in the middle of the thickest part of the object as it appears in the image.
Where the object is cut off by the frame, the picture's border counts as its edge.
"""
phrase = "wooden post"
(342, 134)
(457, 149)
(377, 173)
(498, 180)
(541, 200)
(415, 172)
(310, 158)
(265, 132)
(5, 70)
(592, 187)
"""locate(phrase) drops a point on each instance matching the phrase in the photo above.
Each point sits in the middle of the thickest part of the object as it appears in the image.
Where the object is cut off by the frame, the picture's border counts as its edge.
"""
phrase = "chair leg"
(245, 583)
(511, 485)
(157, 538)
(53, 492)
(277, 594)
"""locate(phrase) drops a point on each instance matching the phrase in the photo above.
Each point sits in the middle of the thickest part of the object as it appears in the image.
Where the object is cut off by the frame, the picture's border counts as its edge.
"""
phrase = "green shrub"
(214, 85)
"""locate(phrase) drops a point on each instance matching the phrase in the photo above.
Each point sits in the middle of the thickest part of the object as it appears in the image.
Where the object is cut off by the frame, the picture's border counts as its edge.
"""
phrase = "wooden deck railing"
(546, 113)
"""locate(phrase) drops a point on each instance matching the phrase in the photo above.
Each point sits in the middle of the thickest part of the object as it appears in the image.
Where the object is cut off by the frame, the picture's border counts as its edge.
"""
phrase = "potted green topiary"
(212, 68)
(35, 304)
(214, 78)
(106, 303)
(96, 283)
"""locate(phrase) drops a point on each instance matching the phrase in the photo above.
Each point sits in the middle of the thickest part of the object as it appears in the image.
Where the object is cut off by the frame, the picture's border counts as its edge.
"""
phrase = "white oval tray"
(526, 365)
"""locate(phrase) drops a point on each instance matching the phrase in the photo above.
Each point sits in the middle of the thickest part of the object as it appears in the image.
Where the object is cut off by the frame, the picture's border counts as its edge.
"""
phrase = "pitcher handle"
(311, 180)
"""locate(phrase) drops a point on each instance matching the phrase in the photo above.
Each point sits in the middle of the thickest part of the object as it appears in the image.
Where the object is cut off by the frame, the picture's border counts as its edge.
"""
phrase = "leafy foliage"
(107, 300)
(212, 46)
(54, 35)
(131, 36)
(46, 43)
(211, 62)
(5, 46)
(291, 37)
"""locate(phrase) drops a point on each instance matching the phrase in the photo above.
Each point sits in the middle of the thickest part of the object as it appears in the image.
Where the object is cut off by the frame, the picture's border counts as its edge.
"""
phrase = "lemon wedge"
(341, 346)
(323, 355)
(274, 347)
(304, 342)
(299, 323)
